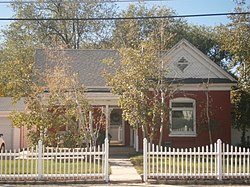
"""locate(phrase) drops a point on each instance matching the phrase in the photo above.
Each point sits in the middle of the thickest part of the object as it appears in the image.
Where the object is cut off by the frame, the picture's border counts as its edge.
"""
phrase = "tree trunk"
(144, 131)
(243, 136)
(208, 118)
(162, 119)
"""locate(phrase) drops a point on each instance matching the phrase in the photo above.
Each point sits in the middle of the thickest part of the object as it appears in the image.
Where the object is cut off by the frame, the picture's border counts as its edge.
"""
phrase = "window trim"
(182, 133)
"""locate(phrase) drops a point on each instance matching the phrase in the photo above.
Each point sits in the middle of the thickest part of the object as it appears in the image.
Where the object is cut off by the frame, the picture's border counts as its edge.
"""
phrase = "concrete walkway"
(123, 171)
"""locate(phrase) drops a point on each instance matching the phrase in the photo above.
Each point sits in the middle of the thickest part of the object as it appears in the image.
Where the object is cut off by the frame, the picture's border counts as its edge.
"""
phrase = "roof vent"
(182, 64)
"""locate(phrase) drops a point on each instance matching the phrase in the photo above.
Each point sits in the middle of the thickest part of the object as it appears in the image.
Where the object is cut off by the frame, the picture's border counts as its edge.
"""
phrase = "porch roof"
(6, 104)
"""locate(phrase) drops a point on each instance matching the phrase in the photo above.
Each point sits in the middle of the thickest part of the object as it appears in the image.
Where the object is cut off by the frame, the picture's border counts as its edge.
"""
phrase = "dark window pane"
(182, 121)
(182, 105)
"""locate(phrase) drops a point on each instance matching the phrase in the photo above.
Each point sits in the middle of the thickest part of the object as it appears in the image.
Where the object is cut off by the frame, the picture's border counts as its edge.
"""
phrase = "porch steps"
(120, 151)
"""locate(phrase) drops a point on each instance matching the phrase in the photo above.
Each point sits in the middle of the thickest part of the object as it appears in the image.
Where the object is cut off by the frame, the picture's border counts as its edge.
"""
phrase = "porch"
(117, 129)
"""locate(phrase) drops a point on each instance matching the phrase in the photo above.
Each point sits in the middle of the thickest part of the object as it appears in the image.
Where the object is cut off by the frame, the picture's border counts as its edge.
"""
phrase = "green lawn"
(49, 166)
(178, 164)
(137, 161)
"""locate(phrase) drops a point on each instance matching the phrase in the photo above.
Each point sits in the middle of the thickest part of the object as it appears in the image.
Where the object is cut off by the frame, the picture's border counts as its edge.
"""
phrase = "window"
(182, 117)
(182, 64)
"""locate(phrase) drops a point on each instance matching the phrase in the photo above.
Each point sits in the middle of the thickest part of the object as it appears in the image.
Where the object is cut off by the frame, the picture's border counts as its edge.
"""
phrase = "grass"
(28, 166)
(137, 161)
(179, 164)
(170, 164)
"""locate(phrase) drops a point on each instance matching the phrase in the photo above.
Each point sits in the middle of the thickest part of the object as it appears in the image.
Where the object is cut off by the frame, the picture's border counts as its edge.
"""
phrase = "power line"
(126, 18)
(96, 1)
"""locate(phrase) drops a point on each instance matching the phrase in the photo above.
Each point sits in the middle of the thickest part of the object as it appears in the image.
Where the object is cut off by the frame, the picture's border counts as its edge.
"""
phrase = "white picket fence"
(217, 161)
(47, 163)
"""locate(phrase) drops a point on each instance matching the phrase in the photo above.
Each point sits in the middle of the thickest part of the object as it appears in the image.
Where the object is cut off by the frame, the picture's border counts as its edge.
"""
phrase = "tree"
(138, 80)
(207, 120)
(68, 33)
(129, 33)
(241, 112)
(57, 110)
(16, 65)
(235, 38)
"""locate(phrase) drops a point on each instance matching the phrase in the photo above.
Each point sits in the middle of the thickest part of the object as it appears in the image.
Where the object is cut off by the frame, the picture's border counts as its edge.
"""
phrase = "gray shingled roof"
(87, 63)
(7, 105)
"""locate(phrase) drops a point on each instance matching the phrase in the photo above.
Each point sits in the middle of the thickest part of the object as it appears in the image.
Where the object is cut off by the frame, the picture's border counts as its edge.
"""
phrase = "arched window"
(182, 117)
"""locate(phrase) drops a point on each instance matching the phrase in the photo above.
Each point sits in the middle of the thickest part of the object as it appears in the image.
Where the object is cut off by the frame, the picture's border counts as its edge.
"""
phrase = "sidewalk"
(123, 171)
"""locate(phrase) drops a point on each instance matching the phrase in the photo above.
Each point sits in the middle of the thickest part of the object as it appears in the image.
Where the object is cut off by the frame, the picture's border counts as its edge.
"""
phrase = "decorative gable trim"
(186, 50)
(182, 64)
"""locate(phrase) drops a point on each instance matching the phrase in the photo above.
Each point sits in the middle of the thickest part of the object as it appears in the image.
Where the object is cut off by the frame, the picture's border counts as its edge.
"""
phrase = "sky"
(182, 7)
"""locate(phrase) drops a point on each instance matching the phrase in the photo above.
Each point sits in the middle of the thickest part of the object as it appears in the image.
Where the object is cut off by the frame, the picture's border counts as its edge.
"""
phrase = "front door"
(116, 126)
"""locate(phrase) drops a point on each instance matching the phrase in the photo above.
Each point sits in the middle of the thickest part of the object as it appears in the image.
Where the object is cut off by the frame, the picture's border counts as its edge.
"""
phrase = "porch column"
(132, 137)
(107, 121)
(16, 138)
(136, 140)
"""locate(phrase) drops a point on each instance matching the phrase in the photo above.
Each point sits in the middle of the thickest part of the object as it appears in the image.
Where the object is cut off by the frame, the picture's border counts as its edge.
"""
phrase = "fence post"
(145, 160)
(106, 161)
(40, 161)
(219, 159)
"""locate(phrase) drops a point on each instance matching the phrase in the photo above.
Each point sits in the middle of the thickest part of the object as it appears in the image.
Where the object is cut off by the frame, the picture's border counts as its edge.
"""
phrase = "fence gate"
(47, 163)
(216, 161)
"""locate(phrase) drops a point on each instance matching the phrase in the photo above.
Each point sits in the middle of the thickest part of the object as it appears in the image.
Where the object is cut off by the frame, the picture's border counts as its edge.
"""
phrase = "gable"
(186, 63)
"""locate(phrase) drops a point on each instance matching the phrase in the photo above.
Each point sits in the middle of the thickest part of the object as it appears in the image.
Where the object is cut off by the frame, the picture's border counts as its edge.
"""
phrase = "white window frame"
(182, 133)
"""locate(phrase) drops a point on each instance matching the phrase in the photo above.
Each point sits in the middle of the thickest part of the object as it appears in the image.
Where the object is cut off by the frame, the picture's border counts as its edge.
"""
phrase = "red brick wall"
(220, 112)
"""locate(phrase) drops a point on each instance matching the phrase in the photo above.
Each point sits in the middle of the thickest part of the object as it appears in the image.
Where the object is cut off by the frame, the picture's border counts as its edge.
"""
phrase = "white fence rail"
(47, 163)
(219, 161)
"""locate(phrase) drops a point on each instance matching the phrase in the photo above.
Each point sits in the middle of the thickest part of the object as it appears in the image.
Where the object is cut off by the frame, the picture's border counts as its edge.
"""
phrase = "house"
(201, 84)
(14, 138)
